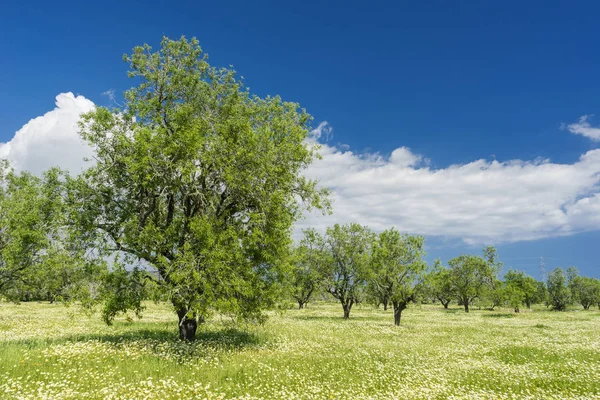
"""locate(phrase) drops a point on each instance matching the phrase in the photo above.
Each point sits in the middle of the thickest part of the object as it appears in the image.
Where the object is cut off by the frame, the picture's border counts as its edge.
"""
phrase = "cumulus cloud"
(479, 202)
(583, 127)
(484, 201)
(51, 139)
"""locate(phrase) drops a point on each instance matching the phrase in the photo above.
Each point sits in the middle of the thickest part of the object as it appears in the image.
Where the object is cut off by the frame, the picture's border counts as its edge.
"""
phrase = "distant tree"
(521, 285)
(541, 294)
(349, 246)
(471, 276)
(397, 268)
(198, 178)
(439, 284)
(37, 257)
(514, 296)
(309, 262)
(585, 290)
(559, 294)
(496, 294)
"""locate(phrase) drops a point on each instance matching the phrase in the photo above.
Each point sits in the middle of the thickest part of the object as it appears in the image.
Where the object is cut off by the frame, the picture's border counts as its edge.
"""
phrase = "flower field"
(53, 352)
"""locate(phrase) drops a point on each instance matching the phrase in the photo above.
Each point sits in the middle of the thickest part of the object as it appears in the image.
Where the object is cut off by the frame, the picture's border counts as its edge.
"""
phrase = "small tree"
(308, 264)
(585, 290)
(496, 294)
(439, 284)
(349, 248)
(521, 285)
(541, 294)
(559, 294)
(514, 296)
(472, 276)
(397, 268)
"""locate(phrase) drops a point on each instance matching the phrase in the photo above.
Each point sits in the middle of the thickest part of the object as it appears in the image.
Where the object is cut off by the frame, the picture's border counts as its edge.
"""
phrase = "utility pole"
(543, 275)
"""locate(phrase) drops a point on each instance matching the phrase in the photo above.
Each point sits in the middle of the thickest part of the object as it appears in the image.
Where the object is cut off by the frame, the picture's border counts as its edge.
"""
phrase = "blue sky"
(452, 81)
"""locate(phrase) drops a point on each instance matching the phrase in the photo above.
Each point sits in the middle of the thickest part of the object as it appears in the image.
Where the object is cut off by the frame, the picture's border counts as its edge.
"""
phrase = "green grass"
(52, 352)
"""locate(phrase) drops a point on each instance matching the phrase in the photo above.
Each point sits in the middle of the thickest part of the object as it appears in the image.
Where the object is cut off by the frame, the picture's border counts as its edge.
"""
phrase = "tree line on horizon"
(354, 265)
(201, 181)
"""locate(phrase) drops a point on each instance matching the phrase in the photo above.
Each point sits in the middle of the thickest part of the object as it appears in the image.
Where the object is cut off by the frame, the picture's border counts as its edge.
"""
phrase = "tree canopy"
(197, 177)
(398, 268)
(349, 246)
(472, 276)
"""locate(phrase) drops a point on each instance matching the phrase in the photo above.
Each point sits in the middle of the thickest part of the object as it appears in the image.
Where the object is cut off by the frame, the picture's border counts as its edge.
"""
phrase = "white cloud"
(50, 140)
(583, 127)
(479, 202)
(323, 131)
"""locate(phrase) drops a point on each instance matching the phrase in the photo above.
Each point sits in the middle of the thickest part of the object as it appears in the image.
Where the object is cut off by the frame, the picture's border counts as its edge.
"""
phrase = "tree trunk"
(187, 326)
(517, 309)
(398, 308)
(300, 305)
(466, 304)
(347, 307)
(385, 304)
(445, 304)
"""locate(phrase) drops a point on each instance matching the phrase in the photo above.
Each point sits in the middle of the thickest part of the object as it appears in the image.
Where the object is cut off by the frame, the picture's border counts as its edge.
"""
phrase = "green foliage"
(197, 177)
(559, 294)
(309, 263)
(439, 284)
(397, 268)
(585, 290)
(541, 294)
(472, 276)
(38, 259)
(521, 289)
(122, 291)
(495, 295)
(349, 246)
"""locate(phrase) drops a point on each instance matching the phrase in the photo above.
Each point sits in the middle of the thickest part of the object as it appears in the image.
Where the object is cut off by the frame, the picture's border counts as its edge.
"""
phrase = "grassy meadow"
(53, 352)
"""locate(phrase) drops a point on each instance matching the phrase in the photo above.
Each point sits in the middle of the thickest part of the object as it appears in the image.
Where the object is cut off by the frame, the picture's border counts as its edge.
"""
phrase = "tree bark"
(385, 304)
(466, 304)
(398, 308)
(347, 307)
(187, 326)
(300, 305)
(445, 304)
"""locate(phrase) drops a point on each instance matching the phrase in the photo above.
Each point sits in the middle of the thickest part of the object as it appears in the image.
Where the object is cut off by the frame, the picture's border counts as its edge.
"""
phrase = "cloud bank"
(479, 202)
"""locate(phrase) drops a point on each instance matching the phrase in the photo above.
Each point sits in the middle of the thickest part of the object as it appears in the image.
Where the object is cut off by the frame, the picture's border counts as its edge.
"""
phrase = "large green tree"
(472, 276)
(198, 178)
(349, 246)
(397, 268)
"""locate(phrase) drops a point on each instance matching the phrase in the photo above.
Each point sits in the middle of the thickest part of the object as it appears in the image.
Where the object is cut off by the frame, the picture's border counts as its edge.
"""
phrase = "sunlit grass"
(52, 352)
